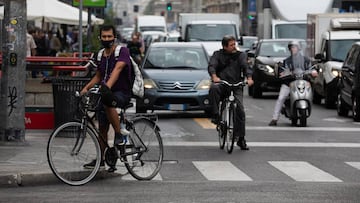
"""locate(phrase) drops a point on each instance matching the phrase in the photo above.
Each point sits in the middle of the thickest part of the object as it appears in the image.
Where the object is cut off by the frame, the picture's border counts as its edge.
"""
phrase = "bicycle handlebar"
(93, 90)
(241, 83)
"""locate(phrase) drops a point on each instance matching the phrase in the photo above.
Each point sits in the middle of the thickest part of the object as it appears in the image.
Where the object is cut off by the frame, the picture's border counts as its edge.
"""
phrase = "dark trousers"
(217, 93)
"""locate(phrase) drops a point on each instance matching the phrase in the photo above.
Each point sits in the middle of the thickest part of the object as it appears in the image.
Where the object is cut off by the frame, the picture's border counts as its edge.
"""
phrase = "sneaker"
(242, 144)
(273, 122)
(91, 164)
(123, 130)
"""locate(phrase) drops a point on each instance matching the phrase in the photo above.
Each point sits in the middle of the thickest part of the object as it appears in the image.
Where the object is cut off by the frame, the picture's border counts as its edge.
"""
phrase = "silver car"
(175, 78)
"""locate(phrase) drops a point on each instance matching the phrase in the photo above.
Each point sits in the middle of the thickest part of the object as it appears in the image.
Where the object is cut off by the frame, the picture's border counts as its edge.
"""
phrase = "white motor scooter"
(298, 104)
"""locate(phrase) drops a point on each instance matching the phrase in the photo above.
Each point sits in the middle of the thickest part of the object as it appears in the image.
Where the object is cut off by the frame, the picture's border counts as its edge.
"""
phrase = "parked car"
(328, 63)
(348, 97)
(175, 78)
(268, 52)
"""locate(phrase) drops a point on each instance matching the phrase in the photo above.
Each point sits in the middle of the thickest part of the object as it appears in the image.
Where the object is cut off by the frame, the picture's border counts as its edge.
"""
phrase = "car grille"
(176, 85)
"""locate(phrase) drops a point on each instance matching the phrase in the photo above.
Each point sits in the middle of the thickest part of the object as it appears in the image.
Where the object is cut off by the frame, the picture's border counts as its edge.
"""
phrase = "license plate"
(176, 107)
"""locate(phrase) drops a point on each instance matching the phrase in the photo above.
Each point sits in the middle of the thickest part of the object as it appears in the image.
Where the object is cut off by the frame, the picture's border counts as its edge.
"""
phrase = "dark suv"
(349, 91)
(268, 53)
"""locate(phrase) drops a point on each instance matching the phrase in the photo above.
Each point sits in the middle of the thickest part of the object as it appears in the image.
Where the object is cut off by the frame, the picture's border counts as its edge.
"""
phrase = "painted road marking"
(354, 164)
(220, 171)
(206, 124)
(266, 144)
(303, 171)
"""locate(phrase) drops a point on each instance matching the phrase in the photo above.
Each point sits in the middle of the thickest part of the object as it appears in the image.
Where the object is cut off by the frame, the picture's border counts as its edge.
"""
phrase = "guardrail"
(48, 63)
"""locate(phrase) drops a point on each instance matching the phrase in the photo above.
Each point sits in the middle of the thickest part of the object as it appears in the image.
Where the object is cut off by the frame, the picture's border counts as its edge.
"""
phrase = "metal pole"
(89, 30)
(12, 92)
(80, 29)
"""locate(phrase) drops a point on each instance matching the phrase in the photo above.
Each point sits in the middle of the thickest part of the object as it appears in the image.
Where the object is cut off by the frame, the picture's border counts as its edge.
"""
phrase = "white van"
(151, 23)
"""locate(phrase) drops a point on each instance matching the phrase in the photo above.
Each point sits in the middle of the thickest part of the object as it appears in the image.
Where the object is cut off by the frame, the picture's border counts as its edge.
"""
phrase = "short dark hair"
(226, 39)
(107, 28)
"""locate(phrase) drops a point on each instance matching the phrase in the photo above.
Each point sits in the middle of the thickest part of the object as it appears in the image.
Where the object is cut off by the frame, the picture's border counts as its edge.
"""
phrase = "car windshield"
(339, 48)
(248, 42)
(214, 32)
(274, 49)
(176, 57)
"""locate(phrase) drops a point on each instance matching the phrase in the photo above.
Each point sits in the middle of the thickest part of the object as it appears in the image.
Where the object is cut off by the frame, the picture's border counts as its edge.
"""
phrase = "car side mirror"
(319, 57)
(251, 54)
(241, 41)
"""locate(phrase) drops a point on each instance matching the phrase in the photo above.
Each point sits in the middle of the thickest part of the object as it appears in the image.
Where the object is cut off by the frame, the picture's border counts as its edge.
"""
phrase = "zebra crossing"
(298, 171)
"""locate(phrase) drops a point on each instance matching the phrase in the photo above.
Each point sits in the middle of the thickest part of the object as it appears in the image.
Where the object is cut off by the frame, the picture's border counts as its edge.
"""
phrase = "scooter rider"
(296, 63)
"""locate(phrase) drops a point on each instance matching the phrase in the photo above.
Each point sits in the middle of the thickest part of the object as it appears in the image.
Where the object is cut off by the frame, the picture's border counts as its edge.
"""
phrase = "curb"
(32, 179)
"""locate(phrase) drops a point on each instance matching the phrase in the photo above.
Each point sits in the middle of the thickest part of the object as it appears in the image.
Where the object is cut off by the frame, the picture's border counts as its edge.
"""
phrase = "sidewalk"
(25, 164)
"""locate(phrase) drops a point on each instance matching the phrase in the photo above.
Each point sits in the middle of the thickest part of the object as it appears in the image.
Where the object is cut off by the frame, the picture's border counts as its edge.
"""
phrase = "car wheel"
(316, 97)
(341, 107)
(356, 109)
(257, 91)
(329, 101)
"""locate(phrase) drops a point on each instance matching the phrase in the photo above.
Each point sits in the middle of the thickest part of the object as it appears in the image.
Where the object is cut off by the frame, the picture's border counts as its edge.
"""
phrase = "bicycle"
(227, 115)
(76, 143)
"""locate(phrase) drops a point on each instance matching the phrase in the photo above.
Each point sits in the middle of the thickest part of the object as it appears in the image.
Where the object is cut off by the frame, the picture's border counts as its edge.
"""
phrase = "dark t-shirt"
(106, 66)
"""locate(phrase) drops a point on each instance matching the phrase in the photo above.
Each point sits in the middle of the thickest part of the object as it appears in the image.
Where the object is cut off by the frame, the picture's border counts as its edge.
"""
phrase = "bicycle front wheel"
(146, 149)
(221, 126)
(230, 138)
(69, 148)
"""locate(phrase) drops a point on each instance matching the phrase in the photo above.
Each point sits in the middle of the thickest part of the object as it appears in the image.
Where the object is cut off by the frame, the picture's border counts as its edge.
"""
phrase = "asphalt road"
(318, 163)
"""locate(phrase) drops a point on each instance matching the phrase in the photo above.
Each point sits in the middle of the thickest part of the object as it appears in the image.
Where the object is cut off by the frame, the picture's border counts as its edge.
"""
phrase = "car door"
(348, 71)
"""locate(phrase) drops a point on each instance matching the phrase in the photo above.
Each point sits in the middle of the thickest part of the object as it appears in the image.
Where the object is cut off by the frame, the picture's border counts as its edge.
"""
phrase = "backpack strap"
(116, 53)
(99, 54)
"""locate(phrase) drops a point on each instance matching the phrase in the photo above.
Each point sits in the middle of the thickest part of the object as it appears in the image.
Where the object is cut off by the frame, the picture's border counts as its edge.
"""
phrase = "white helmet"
(294, 43)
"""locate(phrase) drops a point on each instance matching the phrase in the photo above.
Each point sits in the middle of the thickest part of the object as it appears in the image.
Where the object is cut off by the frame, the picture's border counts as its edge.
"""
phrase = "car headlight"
(266, 68)
(150, 84)
(203, 85)
(335, 73)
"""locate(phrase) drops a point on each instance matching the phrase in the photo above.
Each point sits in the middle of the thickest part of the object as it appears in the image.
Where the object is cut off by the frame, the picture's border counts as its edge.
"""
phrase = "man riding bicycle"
(113, 76)
(231, 65)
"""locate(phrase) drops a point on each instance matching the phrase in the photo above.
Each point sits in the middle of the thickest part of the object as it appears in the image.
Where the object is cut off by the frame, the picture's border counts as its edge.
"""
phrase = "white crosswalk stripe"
(299, 171)
(220, 171)
(303, 171)
(354, 164)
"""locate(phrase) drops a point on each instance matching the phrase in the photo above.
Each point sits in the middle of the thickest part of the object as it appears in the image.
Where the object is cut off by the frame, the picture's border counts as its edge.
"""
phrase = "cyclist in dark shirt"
(231, 65)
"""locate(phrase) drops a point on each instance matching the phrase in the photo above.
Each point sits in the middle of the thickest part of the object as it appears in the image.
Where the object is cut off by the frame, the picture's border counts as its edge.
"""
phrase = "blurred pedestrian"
(55, 44)
(135, 48)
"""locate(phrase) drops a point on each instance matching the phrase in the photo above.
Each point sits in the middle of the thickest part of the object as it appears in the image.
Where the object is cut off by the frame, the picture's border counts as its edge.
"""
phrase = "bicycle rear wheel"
(69, 148)
(230, 138)
(144, 137)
